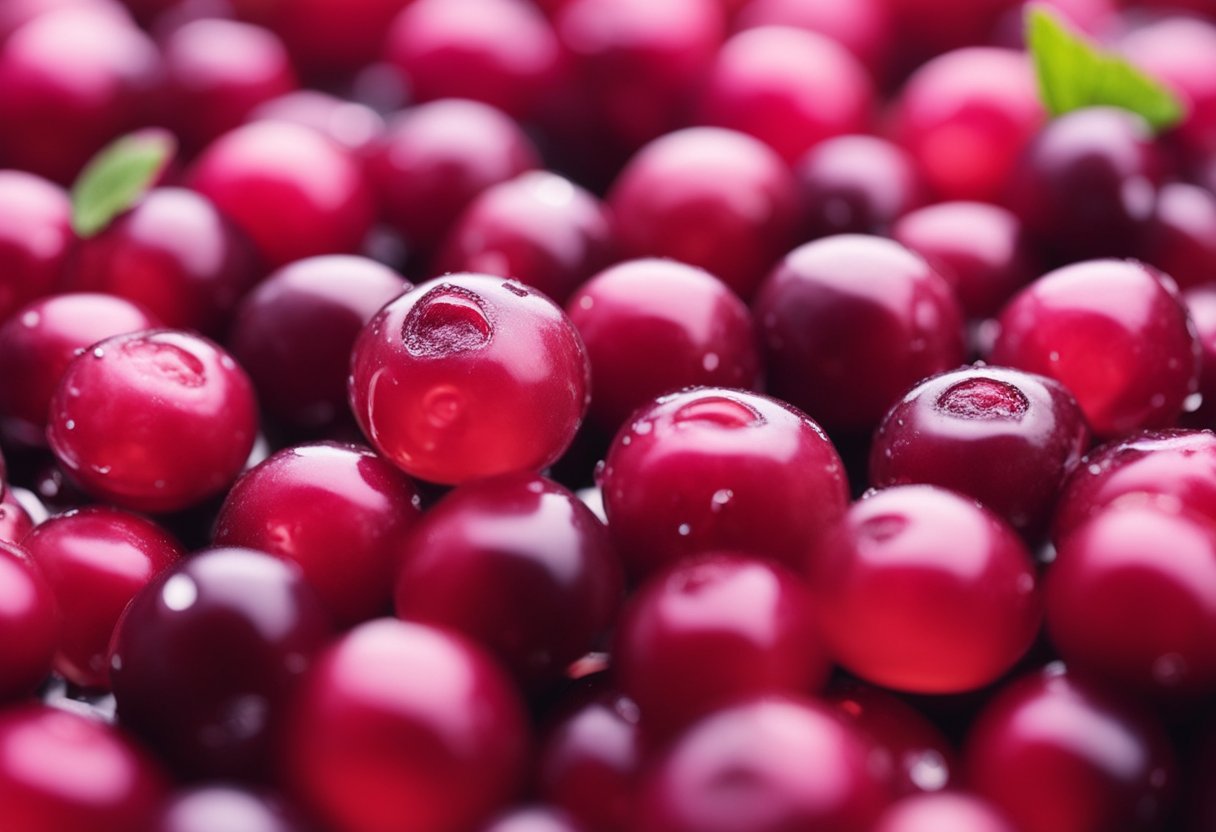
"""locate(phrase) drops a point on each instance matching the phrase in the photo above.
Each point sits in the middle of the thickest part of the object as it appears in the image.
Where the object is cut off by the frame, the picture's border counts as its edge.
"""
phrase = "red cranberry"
(63, 771)
(855, 307)
(212, 808)
(35, 234)
(206, 654)
(1180, 239)
(1201, 308)
(153, 421)
(857, 184)
(38, 342)
(15, 13)
(15, 519)
(534, 819)
(948, 812)
(468, 376)
(902, 607)
(350, 124)
(1115, 333)
(788, 87)
(294, 333)
(1005, 437)
(711, 469)
(767, 765)
(1057, 754)
(861, 26)
(295, 192)
(966, 116)
(30, 625)
(95, 561)
(711, 198)
(404, 727)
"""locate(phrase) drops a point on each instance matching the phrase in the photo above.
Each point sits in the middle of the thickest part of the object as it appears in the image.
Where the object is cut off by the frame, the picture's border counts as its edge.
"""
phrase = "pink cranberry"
(1115, 333)
(355, 126)
(215, 807)
(468, 376)
(1057, 754)
(861, 26)
(534, 819)
(15, 519)
(1201, 308)
(294, 334)
(15, 13)
(153, 421)
(857, 184)
(1180, 239)
(433, 717)
(63, 771)
(30, 625)
(711, 469)
(853, 307)
(946, 812)
(295, 192)
(711, 198)
(35, 235)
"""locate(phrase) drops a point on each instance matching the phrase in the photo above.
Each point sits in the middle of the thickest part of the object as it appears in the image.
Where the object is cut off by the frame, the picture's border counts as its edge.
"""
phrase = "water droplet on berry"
(70, 424)
(710, 362)
(99, 352)
(1192, 403)
(179, 593)
(684, 530)
(720, 499)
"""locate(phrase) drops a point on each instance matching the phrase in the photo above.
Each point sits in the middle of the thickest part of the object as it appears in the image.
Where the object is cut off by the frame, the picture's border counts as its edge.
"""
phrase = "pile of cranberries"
(604, 416)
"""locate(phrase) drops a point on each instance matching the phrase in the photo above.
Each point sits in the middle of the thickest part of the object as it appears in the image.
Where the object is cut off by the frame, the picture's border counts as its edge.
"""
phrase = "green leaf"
(117, 177)
(1075, 73)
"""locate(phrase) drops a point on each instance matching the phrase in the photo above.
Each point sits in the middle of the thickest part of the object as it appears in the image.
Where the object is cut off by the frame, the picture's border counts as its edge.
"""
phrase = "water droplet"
(1094, 468)
(536, 487)
(586, 302)
(720, 499)
(179, 593)
(642, 427)
(99, 352)
(31, 319)
(684, 530)
(1053, 356)
(1192, 402)
(103, 469)
(929, 771)
(70, 424)
(710, 362)
(626, 440)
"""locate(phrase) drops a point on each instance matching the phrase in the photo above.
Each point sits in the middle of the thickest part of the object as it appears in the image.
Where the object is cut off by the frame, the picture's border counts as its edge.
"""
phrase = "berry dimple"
(717, 411)
(447, 320)
(984, 398)
(158, 360)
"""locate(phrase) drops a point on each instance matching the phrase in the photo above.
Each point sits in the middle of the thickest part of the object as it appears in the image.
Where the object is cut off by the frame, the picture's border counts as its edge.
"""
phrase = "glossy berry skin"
(857, 185)
(175, 255)
(468, 376)
(66, 771)
(295, 192)
(534, 819)
(207, 808)
(1115, 333)
(790, 88)
(652, 326)
(35, 235)
(854, 307)
(766, 765)
(539, 228)
(711, 631)
(15, 520)
(355, 126)
(1005, 437)
(205, 656)
(435, 718)
(39, 341)
(1058, 754)
(1201, 309)
(714, 469)
(863, 27)
(1180, 239)
(708, 197)
(294, 332)
(946, 812)
(95, 560)
(19, 12)
(30, 623)
(153, 421)
(924, 591)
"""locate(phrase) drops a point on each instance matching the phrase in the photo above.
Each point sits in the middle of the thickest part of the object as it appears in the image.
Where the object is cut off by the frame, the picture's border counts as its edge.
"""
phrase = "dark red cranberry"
(982, 250)
(15, 13)
(35, 235)
(215, 807)
(30, 626)
(1005, 437)
(853, 307)
(861, 26)
(467, 376)
(901, 607)
(1058, 754)
(1115, 333)
(15, 519)
(857, 184)
(653, 326)
(711, 198)
(153, 421)
(355, 126)
(768, 765)
(966, 116)
(206, 654)
(790, 88)
(295, 192)
(95, 560)
(534, 819)
(294, 333)
(1200, 412)
(63, 771)
(404, 727)
(711, 469)
(947, 812)
(1180, 239)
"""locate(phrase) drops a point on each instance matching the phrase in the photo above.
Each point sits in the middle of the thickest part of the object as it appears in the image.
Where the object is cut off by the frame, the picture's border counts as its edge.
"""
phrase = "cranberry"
(29, 625)
(294, 333)
(653, 326)
(931, 27)
(405, 727)
(63, 771)
(295, 192)
(767, 765)
(1201, 308)
(35, 235)
(534, 819)
(1180, 239)
(1115, 333)
(714, 469)
(355, 126)
(965, 118)
(153, 421)
(95, 560)
(15, 519)
(1057, 754)
(1005, 437)
(469, 376)
(211, 808)
(788, 87)
(861, 26)
(948, 812)
(853, 307)
(922, 590)
(206, 654)
(711, 198)
(857, 184)
(15, 13)
(38, 342)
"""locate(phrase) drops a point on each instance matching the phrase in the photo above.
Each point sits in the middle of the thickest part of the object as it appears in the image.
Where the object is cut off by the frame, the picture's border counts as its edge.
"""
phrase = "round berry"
(857, 185)
(30, 626)
(354, 126)
(35, 236)
(1180, 238)
(947, 812)
(861, 26)
(214, 807)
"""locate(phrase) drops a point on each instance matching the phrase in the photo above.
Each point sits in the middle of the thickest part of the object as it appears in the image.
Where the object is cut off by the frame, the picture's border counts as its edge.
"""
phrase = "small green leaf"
(1075, 73)
(116, 178)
